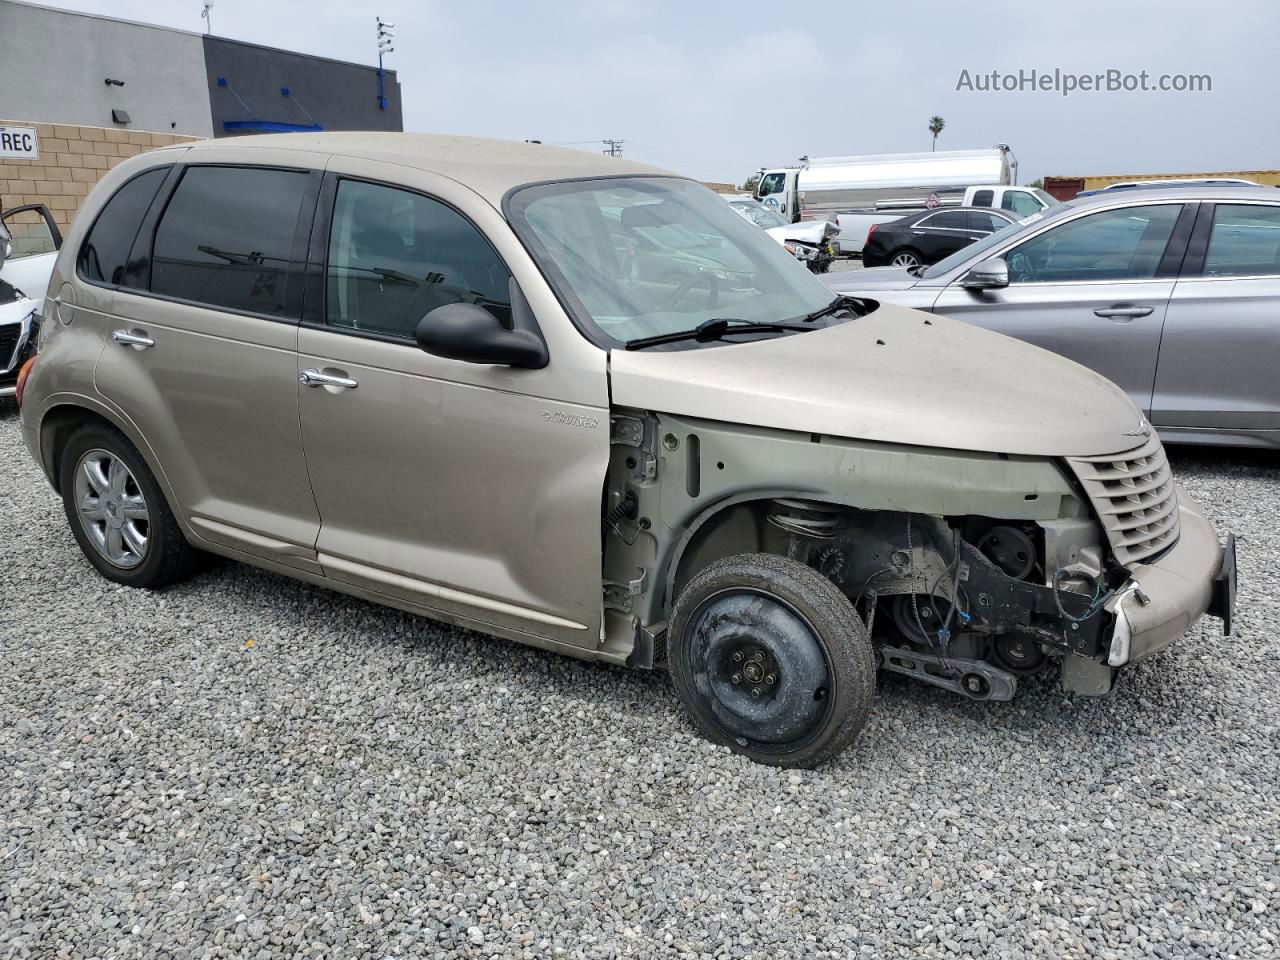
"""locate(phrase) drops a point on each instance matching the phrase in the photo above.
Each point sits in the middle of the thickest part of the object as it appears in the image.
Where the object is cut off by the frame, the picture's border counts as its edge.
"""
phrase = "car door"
(1093, 288)
(1218, 358)
(34, 244)
(471, 490)
(941, 234)
(202, 357)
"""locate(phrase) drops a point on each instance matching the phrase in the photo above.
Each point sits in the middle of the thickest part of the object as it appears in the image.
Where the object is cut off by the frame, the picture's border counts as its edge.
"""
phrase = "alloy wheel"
(112, 508)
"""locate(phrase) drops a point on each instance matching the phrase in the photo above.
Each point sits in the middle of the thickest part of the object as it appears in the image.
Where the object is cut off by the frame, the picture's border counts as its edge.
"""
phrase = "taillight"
(871, 231)
(23, 373)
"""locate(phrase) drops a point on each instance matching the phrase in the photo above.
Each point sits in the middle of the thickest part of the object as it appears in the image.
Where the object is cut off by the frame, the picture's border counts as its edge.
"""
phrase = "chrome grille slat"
(1135, 497)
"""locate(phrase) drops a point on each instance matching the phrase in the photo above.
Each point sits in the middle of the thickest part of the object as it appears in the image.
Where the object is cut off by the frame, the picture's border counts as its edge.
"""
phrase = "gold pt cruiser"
(581, 403)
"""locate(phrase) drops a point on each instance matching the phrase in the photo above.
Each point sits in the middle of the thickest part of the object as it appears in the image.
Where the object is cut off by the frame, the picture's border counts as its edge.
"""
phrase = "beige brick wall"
(72, 159)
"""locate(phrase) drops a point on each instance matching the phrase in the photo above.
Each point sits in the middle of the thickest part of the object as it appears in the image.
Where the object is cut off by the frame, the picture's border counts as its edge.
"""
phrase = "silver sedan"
(1173, 294)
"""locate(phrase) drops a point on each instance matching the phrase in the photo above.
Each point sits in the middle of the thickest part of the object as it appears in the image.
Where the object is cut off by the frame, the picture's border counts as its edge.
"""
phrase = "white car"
(810, 241)
(29, 242)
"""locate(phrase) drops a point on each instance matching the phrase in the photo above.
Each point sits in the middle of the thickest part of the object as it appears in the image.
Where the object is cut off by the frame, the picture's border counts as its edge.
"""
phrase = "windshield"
(637, 257)
(758, 213)
(973, 252)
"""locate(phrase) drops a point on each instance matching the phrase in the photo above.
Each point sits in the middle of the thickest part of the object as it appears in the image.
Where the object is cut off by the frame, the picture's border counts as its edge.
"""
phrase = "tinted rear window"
(226, 238)
(102, 258)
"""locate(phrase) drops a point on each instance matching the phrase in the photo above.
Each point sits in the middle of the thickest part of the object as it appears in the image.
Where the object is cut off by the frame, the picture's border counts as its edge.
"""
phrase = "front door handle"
(130, 339)
(1122, 311)
(314, 378)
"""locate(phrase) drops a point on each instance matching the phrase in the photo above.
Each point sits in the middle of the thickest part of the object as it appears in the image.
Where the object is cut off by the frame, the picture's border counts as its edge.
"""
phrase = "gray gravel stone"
(361, 783)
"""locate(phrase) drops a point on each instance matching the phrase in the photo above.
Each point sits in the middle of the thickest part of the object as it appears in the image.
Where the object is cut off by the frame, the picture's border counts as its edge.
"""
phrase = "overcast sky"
(716, 90)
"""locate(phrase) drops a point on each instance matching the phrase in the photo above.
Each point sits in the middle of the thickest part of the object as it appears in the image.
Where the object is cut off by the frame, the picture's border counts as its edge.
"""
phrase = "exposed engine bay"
(998, 571)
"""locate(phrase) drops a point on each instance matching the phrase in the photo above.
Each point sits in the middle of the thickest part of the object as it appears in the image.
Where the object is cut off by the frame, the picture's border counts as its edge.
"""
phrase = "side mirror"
(469, 332)
(987, 275)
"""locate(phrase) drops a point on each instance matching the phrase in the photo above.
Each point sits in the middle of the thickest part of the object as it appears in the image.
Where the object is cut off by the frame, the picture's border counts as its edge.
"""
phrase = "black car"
(928, 236)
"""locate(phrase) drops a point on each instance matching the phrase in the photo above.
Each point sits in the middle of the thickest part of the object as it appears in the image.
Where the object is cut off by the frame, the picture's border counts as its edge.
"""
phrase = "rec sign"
(19, 143)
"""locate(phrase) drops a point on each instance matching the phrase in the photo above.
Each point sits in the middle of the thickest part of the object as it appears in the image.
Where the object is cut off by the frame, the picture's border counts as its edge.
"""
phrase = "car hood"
(806, 231)
(893, 376)
(870, 278)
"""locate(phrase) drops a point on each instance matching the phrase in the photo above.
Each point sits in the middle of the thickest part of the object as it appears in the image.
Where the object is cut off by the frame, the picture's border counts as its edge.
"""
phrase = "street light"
(385, 32)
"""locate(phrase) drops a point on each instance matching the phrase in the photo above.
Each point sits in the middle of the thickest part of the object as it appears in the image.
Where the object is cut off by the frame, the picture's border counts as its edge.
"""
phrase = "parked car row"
(584, 404)
(926, 237)
(1170, 293)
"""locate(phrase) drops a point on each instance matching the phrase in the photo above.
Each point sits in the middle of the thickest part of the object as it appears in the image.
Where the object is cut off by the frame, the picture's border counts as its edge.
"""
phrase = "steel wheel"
(112, 508)
(905, 258)
(771, 660)
(760, 667)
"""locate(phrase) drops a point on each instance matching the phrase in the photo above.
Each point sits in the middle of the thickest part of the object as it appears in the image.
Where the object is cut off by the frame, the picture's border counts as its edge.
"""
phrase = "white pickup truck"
(857, 192)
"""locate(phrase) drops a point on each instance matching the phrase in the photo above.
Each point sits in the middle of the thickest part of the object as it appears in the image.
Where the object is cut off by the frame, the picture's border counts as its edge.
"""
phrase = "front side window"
(1245, 241)
(644, 256)
(772, 183)
(947, 220)
(394, 256)
(103, 255)
(1123, 244)
(225, 239)
(1019, 203)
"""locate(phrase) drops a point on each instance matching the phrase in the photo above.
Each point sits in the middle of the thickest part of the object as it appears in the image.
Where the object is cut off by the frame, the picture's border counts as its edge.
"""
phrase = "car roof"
(490, 167)
(1196, 192)
(926, 212)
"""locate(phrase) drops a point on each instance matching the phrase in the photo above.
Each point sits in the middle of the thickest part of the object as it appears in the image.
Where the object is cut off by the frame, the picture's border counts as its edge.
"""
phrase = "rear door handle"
(1123, 311)
(314, 378)
(130, 339)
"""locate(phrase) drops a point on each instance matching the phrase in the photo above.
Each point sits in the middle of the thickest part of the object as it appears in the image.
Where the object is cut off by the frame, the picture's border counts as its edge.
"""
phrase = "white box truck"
(857, 192)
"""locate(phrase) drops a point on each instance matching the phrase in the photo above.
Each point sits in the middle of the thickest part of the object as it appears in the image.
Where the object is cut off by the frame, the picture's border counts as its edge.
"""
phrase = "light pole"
(385, 33)
(207, 16)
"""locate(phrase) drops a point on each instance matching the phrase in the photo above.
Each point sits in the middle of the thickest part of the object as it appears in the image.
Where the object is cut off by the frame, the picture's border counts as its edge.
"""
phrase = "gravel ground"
(843, 264)
(244, 766)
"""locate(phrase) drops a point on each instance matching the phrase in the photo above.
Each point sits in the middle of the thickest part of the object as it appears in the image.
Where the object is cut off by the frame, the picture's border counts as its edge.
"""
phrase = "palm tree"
(936, 124)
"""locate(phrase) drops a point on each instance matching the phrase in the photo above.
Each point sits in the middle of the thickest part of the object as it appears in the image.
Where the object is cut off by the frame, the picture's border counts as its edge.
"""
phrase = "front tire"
(117, 512)
(771, 660)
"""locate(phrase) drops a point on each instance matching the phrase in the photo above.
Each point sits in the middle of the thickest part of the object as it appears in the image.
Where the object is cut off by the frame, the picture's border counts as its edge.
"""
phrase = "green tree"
(749, 185)
(936, 124)
(1037, 183)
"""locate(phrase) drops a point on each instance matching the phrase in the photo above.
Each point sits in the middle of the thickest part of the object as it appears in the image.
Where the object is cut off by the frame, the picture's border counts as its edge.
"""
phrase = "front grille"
(1135, 498)
(9, 335)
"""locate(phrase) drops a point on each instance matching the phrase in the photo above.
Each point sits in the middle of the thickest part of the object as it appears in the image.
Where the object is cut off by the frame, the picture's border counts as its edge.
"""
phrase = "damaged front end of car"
(968, 569)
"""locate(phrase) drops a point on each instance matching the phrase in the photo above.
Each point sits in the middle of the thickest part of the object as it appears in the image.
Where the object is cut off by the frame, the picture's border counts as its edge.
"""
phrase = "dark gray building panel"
(246, 84)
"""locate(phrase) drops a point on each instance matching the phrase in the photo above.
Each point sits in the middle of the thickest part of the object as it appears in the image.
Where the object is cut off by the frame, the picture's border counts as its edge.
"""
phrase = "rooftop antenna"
(386, 32)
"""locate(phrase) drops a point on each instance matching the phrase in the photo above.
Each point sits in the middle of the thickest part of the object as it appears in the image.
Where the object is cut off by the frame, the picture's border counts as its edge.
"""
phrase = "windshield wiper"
(841, 302)
(715, 329)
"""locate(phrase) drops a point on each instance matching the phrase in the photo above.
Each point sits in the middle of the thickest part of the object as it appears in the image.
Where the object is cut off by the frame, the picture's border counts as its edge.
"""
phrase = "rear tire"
(117, 512)
(771, 660)
(905, 258)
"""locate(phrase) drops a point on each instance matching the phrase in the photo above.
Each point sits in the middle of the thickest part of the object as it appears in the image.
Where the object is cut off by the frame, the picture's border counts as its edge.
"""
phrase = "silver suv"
(502, 386)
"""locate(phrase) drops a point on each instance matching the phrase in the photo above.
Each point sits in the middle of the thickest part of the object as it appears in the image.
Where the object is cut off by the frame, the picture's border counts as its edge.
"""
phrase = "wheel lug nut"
(737, 656)
(758, 657)
(771, 679)
(736, 678)
(755, 691)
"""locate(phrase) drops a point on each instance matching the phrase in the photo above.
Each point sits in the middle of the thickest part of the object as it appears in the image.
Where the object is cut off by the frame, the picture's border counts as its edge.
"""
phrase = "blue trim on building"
(268, 126)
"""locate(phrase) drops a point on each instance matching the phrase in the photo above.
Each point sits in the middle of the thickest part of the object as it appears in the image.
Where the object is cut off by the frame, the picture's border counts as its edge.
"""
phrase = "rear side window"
(226, 238)
(105, 251)
(1245, 241)
(395, 256)
(982, 198)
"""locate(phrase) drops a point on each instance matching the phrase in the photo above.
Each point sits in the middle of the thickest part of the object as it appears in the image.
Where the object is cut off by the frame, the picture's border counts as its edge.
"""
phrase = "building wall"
(54, 65)
(334, 94)
(72, 159)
